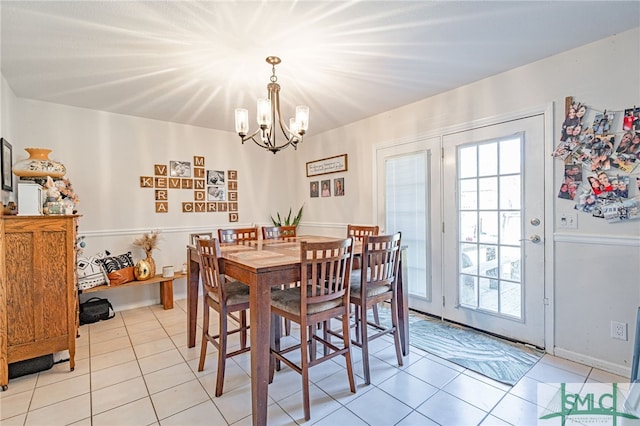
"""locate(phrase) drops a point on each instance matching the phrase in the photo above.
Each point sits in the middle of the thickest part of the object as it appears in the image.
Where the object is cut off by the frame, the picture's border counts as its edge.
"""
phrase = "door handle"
(533, 239)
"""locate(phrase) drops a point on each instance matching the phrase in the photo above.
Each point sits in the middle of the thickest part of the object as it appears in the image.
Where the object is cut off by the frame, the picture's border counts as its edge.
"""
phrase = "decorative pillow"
(90, 272)
(119, 269)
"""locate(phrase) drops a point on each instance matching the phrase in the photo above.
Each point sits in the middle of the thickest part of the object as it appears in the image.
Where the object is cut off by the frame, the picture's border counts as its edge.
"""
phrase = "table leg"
(166, 294)
(260, 312)
(193, 279)
(403, 303)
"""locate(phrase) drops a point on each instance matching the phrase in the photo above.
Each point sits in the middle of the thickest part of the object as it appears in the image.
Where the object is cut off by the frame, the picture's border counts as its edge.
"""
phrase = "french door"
(470, 206)
(407, 201)
(493, 243)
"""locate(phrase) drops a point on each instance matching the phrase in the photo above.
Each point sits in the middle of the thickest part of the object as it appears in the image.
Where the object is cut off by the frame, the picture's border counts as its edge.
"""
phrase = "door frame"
(547, 110)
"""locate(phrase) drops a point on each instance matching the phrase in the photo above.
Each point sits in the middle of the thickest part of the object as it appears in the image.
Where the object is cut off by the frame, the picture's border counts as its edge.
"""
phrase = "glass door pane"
(489, 227)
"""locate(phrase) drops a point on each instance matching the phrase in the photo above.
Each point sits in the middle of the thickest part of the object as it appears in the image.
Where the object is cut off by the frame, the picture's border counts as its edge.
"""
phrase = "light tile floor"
(136, 369)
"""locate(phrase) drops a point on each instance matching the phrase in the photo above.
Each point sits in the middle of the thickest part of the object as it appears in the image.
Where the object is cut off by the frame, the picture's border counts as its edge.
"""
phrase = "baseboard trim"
(593, 362)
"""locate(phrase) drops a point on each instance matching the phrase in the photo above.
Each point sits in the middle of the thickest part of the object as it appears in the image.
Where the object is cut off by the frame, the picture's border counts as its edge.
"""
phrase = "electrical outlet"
(619, 330)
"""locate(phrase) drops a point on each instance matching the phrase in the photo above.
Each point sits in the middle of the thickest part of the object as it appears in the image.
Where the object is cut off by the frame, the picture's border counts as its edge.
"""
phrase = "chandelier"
(268, 109)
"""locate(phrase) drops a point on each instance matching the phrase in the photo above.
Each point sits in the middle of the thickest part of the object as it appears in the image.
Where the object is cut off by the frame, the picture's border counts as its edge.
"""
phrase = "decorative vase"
(38, 166)
(142, 270)
(152, 265)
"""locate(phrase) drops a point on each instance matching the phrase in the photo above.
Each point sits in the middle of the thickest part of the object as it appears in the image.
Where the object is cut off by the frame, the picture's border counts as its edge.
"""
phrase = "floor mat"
(499, 359)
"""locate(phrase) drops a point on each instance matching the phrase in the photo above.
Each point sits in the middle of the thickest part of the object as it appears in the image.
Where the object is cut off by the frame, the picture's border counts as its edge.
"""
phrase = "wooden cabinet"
(38, 298)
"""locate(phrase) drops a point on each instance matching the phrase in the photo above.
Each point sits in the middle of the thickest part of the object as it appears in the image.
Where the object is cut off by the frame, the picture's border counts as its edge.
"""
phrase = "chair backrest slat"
(209, 253)
(380, 260)
(204, 235)
(237, 235)
(327, 266)
(276, 232)
(359, 231)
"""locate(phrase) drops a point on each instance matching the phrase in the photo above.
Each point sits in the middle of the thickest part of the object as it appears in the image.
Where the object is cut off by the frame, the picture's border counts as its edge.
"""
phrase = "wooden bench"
(166, 287)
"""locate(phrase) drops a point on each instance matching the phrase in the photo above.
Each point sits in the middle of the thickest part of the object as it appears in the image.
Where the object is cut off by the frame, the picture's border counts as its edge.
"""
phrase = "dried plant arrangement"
(148, 242)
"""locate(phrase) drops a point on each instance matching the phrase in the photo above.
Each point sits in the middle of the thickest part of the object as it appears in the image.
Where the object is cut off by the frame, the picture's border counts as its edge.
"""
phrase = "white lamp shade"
(242, 121)
(302, 117)
(293, 127)
(264, 112)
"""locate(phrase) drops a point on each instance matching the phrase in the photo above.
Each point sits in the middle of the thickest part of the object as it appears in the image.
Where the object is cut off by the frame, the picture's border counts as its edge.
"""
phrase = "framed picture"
(313, 189)
(215, 177)
(327, 165)
(7, 163)
(338, 187)
(326, 188)
(180, 169)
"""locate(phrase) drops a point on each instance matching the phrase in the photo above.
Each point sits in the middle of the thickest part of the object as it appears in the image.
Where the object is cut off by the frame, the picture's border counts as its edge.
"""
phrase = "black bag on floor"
(95, 309)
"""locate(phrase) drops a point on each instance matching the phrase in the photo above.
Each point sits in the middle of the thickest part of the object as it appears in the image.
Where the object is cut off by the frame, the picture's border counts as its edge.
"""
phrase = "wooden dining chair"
(275, 232)
(358, 232)
(226, 297)
(195, 236)
(237, 235)
(376, 281)
(325, 268)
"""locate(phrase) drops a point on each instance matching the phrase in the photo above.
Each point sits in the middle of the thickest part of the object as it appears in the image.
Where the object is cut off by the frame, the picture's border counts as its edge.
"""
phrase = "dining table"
(262, 264)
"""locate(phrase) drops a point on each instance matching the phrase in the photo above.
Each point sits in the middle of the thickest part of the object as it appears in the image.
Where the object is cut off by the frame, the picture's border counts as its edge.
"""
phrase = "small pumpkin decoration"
(142, 270)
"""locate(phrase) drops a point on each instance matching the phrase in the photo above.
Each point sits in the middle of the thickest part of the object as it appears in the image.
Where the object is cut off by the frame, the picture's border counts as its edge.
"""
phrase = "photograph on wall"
(601, 185)
(601, 151)
(216, 193)
(631, 119)
(602, 122)
(572, 120)
(215, 177)
(625, 157)
(620, 186)
(180, 168)
(568, 190)
(621, 211)
(572, 173)
(338, 187)
(326, 188)
(586, 202)
(313, 189)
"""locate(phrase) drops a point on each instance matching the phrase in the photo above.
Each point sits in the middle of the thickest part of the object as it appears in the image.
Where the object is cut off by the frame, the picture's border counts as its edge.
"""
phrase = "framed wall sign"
(327, 165)
(7, 163)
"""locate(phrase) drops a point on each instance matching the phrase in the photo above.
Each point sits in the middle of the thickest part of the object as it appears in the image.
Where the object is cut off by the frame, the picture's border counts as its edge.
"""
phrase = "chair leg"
(376, 318)
(357, 323)
(275, 338)
(222, 352)
(396, 333)
(305, 370)
(205, 340)
(364, 341)
(326, 336)
(346, 339)
(243, 327)
(275, 346)
(312, 343)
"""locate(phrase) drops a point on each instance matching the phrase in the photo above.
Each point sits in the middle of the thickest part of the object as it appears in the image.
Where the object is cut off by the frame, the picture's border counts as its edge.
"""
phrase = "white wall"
(595, 269)
(106, 153)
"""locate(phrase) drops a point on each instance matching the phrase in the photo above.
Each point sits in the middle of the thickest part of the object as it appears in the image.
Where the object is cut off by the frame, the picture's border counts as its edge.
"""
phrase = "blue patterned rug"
(498, 359)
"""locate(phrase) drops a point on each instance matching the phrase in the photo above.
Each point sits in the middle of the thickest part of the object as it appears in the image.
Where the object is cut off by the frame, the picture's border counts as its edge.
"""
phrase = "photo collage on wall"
(601, 159)
(325, 188)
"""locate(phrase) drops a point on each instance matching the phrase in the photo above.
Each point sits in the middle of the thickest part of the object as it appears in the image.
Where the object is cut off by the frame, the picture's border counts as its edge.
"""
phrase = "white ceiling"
(194, 62)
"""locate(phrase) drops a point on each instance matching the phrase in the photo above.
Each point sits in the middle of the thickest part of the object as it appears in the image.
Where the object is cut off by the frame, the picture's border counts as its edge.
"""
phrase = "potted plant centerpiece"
(288, 221)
